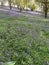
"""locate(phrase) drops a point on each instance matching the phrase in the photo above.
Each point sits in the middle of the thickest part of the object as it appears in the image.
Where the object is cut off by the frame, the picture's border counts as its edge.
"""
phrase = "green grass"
(9, 63)
(24, 39)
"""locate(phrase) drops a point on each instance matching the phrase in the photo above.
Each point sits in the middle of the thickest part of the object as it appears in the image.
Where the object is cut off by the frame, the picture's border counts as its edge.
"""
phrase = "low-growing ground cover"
(24, 39)
(9, 63)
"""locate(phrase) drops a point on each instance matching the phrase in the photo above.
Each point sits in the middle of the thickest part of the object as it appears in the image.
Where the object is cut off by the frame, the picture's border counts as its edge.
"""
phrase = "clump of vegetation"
(20, 4)
(21, 7)
(32, 6)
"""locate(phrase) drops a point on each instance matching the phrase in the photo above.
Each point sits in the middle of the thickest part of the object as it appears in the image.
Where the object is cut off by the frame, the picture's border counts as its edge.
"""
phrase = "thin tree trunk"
(10, 6)
(2, 4)
(46, 10)
(45, 13)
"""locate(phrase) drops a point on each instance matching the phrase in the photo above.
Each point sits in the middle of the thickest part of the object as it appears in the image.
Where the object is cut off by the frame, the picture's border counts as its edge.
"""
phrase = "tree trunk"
(46, 9)
(10, 6)
(2, 4)
(45, 13)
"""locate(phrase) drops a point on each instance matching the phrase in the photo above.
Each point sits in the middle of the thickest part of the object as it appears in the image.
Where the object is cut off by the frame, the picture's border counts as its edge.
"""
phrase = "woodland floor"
(21, 32)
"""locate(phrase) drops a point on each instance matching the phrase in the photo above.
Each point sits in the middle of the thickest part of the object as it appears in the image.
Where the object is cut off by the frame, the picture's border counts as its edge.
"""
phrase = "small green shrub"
(32, 6)
(21, 7)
